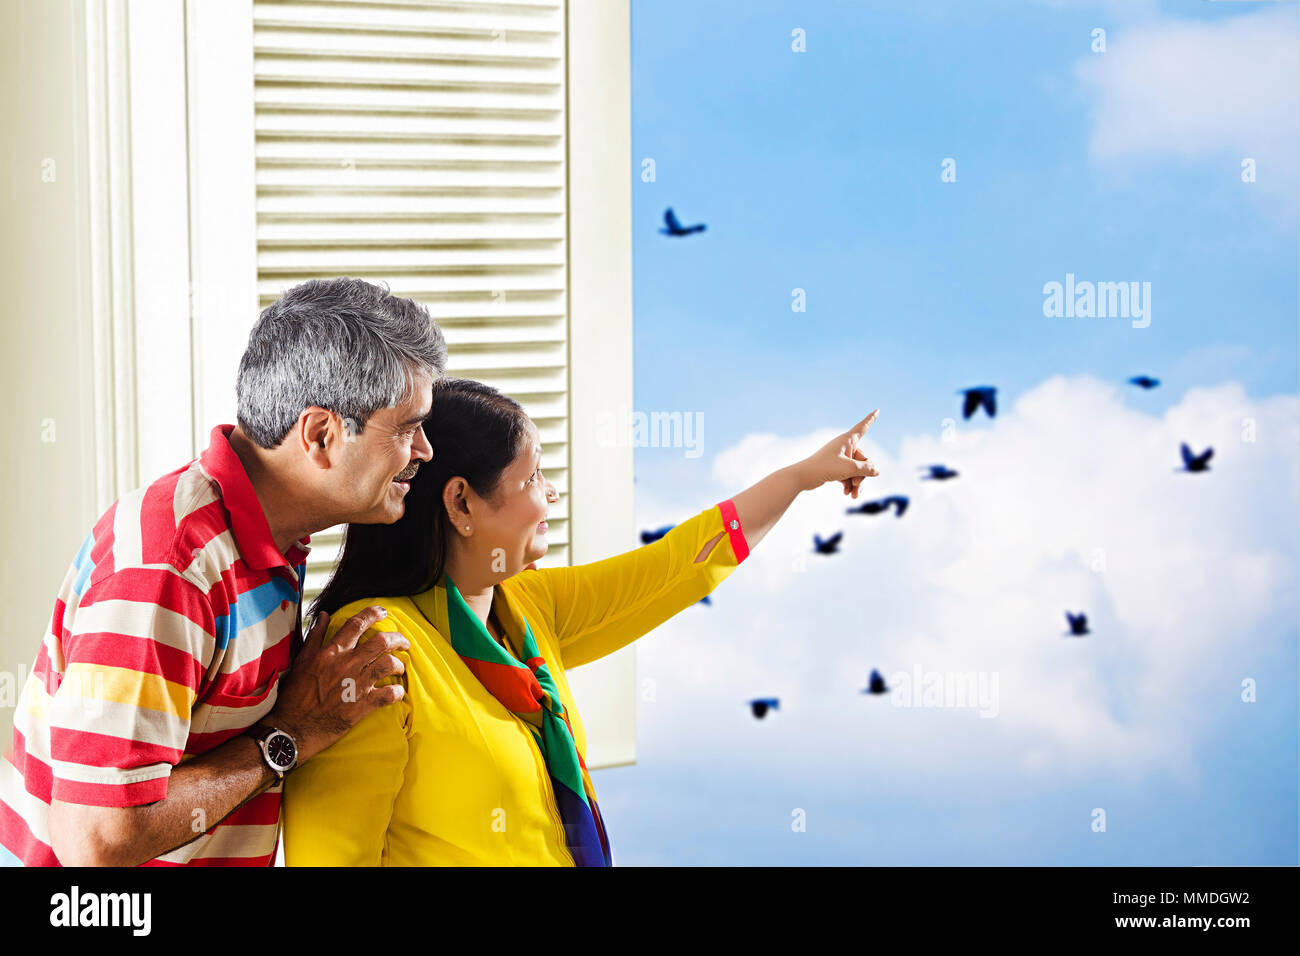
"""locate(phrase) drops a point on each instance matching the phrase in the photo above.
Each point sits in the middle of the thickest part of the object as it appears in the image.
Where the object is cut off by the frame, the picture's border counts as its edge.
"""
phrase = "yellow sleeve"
(337, 806)
(601, 607)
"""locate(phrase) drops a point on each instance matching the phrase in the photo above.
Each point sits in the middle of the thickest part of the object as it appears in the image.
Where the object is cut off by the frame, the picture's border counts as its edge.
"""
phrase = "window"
(475, 156)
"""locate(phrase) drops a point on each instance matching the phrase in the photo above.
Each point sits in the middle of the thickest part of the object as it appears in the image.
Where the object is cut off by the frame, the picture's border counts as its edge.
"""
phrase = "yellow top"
(447, 776)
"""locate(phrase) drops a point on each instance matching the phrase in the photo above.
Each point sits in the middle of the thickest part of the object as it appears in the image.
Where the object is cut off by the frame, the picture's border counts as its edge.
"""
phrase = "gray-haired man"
(162, 714)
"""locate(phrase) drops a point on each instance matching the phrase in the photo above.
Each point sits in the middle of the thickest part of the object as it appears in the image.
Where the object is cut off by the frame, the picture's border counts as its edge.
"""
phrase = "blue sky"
(821, 171)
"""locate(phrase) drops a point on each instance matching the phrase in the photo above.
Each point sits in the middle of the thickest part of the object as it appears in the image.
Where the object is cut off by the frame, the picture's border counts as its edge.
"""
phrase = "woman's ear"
(455, 502)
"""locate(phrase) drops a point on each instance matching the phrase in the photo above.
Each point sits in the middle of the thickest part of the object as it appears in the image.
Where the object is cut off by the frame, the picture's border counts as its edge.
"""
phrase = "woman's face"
(514, 521)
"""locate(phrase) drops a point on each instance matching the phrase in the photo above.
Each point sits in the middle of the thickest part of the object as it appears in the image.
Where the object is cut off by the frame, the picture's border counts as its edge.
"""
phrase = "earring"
(466, 527)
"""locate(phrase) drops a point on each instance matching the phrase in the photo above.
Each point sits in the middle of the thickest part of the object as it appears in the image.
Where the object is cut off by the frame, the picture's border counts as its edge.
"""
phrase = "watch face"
(281, 750)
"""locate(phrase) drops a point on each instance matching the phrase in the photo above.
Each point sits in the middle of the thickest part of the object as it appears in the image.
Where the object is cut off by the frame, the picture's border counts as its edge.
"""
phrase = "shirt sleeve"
(603, 606)
(338, 805)
(133, 656)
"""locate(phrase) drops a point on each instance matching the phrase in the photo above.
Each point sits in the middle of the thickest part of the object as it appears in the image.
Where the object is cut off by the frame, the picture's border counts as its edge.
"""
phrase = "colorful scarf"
(528, 691)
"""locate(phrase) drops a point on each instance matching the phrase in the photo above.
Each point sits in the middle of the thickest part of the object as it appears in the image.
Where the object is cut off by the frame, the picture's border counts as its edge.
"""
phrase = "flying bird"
(875, 507)
(1145, 381)
(1078, 624)
(938, 472)
(975, 397)
(675, 228)
(1195, 462)
(830, 546)
(876, 684)
(648, 536)
(761, 705)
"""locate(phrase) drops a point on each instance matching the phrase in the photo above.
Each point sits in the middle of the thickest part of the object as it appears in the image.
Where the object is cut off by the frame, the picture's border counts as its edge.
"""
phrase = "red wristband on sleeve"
(731, 521)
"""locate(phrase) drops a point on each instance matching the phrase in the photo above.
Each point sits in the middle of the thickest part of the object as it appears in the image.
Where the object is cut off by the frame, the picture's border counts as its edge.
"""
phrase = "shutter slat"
(468, 206)
(431, 284)
(434, 232)
(541, 105)
(427, 176)
(484, 4)
(534, 356)
(344, 261)
(477, 332)
(471, 20)
(514, 382)
(340, 151)
(537, 77)
(306, 121)
(538, 51)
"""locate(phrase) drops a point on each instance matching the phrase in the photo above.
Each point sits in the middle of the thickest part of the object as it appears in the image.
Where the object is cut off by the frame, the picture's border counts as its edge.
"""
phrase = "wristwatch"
(278, 748)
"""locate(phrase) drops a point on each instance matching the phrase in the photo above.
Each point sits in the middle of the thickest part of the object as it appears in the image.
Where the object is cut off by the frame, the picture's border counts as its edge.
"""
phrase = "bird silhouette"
(1078, 624)
(938, 472)
(648, 536)
(761, 706)
(975, 397)
(675, 228)
(875, 684)
(1145, 381)
(881, 504)
(830, 546)
(1195, 462)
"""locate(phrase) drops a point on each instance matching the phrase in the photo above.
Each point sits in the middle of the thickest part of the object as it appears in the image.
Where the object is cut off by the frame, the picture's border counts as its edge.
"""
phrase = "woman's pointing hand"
(840, 459)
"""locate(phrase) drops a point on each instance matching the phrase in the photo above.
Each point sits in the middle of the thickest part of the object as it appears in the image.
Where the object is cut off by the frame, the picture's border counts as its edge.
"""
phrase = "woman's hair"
(475, 432)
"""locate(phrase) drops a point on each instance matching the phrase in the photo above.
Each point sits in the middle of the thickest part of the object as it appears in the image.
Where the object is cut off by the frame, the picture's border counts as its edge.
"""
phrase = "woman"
(480, 762)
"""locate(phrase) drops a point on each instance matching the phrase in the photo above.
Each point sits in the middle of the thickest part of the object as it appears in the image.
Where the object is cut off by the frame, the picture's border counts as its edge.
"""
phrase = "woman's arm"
(597, 608)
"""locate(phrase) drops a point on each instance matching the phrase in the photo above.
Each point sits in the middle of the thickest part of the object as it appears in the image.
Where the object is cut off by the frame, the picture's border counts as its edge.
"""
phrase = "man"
(161, 713)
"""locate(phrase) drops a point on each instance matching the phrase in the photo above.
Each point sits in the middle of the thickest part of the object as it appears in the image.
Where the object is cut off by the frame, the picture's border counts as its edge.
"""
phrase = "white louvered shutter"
(422, 143)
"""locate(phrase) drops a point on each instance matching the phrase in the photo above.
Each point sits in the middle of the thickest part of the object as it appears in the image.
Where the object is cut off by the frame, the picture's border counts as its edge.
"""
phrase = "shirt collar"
(248, 521)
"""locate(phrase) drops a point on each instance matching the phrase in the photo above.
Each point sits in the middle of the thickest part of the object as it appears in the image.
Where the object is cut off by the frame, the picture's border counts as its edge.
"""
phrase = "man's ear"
(318, 435)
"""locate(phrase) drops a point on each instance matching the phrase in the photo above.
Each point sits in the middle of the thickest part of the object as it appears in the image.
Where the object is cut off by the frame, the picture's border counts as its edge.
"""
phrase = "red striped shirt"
(169, 635)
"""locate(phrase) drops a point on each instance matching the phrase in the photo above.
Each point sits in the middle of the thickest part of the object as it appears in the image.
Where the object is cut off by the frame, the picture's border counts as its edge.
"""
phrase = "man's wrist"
(269, 777)
(277, 745)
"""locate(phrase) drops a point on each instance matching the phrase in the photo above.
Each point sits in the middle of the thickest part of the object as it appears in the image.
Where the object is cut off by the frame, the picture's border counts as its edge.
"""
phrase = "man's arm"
(311, 707)
(217, 783)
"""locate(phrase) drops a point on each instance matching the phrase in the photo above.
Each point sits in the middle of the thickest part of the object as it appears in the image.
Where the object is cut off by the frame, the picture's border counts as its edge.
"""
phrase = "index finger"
(866, 423)
(357, 625)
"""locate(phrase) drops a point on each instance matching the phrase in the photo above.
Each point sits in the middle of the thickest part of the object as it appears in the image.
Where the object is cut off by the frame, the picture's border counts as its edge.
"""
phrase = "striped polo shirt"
(169, 635)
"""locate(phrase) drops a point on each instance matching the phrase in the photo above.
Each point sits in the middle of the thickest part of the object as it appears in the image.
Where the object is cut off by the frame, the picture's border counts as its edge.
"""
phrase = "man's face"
(378, 462)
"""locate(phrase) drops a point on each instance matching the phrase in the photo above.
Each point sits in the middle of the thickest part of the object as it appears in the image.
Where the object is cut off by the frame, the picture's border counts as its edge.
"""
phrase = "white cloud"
(1223, 89)
(976, 577)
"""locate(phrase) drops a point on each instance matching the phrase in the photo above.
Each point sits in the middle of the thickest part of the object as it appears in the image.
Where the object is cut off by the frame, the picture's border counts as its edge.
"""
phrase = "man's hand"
(328, 689)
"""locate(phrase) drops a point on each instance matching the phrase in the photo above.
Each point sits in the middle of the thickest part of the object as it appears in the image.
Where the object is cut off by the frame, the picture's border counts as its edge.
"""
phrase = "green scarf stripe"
(470, 638)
